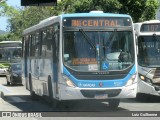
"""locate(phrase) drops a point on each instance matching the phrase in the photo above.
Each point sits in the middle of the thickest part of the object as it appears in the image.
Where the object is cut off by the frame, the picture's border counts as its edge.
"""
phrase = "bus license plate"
(101, 96)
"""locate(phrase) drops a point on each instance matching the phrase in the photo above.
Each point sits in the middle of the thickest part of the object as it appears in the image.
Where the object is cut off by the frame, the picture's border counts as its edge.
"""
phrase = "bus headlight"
(145, 79)
(68, 81)
(131, 80)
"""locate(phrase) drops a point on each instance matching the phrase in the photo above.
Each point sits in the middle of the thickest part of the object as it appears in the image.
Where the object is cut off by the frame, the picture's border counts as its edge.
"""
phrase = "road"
(17, 98)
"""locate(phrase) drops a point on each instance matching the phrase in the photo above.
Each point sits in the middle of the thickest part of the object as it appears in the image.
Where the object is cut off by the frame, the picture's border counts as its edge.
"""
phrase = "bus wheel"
(50, 90)
(11, 81)
(62, 104)
(113, 103)
(32, 93)
(8, 83)
(142, 97)
(69, 103)
(56, 103)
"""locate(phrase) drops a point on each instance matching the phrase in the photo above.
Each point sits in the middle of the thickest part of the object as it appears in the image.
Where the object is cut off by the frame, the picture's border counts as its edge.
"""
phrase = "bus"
(10, 52)
(81, 56)
(148, 43)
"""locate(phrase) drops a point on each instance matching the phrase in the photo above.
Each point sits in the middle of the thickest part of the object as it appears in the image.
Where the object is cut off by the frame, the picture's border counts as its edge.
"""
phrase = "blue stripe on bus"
(96, 83)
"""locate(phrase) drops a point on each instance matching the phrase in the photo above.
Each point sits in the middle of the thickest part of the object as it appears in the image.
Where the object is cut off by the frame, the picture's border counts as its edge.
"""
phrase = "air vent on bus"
(96, 12)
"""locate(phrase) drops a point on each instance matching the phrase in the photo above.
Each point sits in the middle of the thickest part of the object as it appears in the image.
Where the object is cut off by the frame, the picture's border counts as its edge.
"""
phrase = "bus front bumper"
(75, 93)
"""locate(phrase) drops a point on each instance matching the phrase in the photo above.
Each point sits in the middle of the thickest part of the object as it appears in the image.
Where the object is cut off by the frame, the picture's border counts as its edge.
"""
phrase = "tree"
(140, 10)
(103, 5)
(149, 13)
(20, 19)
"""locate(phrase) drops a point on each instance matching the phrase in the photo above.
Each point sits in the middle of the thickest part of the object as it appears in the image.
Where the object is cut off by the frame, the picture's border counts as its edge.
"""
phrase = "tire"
(8, 83)
(50, 92)
(54, 103)
(32, 93)
(142, 97)
(113, 103)
(11, 81)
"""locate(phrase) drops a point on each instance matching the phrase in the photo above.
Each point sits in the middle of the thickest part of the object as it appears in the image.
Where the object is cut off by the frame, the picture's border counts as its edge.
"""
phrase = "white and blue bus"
(10, 52)
(81, 56)
(148, 42)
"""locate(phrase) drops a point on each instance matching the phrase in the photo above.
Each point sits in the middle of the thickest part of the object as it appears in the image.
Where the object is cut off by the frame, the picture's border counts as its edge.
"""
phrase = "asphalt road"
(17, 98)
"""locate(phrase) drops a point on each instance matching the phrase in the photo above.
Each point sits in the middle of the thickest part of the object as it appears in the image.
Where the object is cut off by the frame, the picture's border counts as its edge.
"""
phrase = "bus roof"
(51, 20)
(149, 21)
(139, 27)
(3, 42)
(94, 14)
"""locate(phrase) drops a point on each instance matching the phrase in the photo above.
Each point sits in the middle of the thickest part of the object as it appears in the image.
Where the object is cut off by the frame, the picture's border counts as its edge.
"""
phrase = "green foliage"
(140, 10)
(103, 5)
(149, 13)
(4, 37)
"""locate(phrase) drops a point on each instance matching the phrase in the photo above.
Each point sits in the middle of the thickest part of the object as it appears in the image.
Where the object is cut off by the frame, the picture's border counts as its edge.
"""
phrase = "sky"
(3, 20)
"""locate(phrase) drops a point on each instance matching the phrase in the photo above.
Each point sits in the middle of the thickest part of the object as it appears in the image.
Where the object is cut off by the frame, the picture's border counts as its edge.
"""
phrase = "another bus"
(81, 56)
(148, 42)
(10, 52)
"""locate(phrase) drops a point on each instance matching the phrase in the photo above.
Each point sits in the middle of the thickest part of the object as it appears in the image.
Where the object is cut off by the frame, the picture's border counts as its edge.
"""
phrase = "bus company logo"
(86, 84)
(117, 84)
(80, 84)
(100, 84)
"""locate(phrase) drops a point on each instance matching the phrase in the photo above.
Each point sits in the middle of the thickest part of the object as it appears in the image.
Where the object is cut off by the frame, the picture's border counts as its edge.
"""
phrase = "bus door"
(55, 61)
(25, 60)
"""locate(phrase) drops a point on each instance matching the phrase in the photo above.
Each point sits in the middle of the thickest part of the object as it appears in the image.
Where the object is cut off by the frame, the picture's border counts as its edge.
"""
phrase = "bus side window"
(44, 46)
(37, 44)
(49, 41)
(33, 45)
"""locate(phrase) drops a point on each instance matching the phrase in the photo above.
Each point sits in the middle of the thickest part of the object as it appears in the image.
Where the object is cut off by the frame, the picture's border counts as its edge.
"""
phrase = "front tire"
(113, 103)
(11, 81)
(32, 93)
(8, 83)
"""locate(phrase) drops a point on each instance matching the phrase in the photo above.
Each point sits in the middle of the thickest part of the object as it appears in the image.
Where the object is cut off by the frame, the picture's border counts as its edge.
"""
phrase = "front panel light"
(68, 81)
(131, 80)
(142, 77)
(145, 79)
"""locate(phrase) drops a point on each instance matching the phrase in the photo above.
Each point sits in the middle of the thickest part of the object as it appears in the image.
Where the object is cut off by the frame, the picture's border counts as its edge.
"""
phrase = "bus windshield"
(98, 50)
(149, 51)
(10, 54)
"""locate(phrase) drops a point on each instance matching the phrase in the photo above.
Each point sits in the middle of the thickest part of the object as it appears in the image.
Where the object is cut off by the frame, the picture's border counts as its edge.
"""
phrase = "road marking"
(4, 89)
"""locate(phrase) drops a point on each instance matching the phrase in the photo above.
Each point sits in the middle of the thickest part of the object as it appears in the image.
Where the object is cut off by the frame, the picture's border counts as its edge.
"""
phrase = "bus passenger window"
(49, 41)
(44, 46)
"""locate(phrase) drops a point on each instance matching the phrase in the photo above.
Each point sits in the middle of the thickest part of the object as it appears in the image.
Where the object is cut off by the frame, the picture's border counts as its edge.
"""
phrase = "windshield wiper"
(111, 36)
(87, 38)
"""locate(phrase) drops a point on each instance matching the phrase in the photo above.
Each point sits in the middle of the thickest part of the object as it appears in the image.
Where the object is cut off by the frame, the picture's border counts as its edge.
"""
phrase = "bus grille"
(92, 93)
(156, 75)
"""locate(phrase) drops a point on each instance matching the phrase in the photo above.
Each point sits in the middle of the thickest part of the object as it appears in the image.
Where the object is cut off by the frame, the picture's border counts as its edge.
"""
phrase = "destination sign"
(96, 22)
(150, 27)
